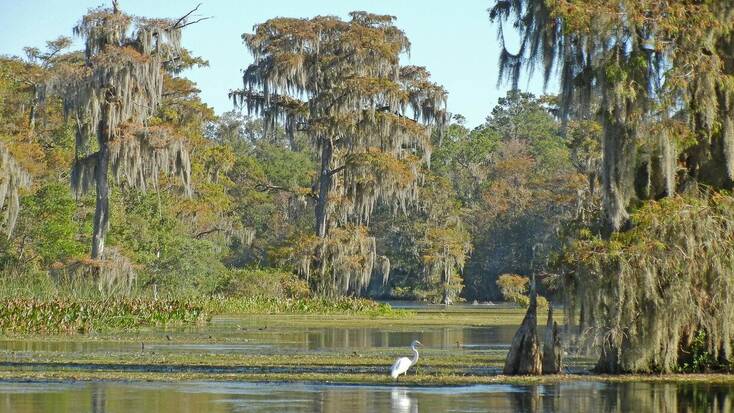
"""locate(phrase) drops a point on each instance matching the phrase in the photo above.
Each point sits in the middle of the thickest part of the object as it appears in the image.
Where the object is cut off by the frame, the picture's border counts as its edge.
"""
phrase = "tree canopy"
(656, 75)
(654, 79)
(369, 118)
(111, 96)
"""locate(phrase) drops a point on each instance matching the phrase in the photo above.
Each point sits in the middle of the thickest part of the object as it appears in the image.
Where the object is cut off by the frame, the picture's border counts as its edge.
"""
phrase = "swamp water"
(296, 334)
(231, 397)
(276, 340)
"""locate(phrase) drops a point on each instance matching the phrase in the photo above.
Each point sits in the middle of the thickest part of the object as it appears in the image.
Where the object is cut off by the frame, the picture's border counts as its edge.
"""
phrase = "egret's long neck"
(415, 357)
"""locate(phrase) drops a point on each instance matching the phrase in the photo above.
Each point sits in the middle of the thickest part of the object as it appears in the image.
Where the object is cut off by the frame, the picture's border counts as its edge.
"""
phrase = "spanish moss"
(13, 179)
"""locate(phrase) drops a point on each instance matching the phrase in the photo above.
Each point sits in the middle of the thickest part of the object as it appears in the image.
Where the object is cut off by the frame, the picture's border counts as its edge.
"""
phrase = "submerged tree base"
(524, 356)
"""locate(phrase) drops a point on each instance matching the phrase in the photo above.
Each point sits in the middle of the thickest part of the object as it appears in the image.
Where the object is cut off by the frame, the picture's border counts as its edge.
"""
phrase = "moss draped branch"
(369, 118)
(13, 179)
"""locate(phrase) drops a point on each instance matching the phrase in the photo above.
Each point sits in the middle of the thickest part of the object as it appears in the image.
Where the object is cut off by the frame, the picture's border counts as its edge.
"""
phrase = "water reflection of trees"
(444, 337)
(623, 397)
(564, 397)
(98, 398)
(110, 397)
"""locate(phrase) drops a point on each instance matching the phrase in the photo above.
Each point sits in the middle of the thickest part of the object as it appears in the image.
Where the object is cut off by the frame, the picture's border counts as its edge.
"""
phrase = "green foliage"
(427, 247)
(514, 288)
(189, 267)
(66, 315)
(697, 358)
(283, 167)
(266, 190)
(54, 225)
(526, 187)
(255, 282)
(275, 305)
(462, 155)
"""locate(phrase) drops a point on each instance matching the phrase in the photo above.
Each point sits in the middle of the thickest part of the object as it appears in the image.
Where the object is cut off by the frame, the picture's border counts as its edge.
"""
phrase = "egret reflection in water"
(402, 402)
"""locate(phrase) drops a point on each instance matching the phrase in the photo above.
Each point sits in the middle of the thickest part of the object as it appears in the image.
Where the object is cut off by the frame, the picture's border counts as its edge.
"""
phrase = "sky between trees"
(455, 41)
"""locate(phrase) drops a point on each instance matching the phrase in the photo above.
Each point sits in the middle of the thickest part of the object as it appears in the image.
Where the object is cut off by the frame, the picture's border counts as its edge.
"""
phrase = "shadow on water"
(114, 397)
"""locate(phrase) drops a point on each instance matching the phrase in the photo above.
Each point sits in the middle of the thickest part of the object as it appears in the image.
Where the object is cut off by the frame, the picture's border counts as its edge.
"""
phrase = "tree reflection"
(119, 397)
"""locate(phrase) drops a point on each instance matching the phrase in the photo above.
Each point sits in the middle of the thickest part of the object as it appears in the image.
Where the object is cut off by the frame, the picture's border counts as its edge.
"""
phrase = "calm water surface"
(119, 397)
(240, 335)
(277, 340)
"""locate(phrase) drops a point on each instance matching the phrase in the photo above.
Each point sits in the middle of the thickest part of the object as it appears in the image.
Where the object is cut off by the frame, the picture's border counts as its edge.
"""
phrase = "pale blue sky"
(453, 39)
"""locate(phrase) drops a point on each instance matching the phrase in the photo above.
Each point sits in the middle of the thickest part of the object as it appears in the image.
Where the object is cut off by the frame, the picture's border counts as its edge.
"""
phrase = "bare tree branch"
(181, 23)
(337, 170)
(182, 19)
(194, 22)
(207, 232)
(262, 187)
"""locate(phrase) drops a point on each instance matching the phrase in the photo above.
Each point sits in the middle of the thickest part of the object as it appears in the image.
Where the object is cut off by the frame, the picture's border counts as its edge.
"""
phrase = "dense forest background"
(492, 197)
(246, 208)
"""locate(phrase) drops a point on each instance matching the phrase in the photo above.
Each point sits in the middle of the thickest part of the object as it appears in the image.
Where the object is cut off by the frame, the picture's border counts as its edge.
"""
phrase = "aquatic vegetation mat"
(28, 315)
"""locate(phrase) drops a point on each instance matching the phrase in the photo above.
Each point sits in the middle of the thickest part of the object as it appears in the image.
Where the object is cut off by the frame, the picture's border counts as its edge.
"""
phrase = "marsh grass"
(40, 306)
(273, 305)
(79, 315)
(423, 377)
(67, 315)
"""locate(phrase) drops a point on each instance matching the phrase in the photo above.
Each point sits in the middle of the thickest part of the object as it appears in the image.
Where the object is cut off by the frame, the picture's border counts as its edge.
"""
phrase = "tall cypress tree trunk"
(102, 205)
(32, 115)
(446, 281)
(726, 138)
(327, 152)
(608, 362)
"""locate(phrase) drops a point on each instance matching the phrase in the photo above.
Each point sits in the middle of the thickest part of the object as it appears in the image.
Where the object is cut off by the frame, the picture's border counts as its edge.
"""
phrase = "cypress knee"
(552, 351)
(524, 356)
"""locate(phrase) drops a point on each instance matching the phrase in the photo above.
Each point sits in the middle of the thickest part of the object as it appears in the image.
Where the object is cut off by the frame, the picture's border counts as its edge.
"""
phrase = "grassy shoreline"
(436, 368)
(362, 380)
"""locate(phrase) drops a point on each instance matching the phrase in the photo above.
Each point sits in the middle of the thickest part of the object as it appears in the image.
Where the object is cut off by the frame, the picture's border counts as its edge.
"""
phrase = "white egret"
(402, 364)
